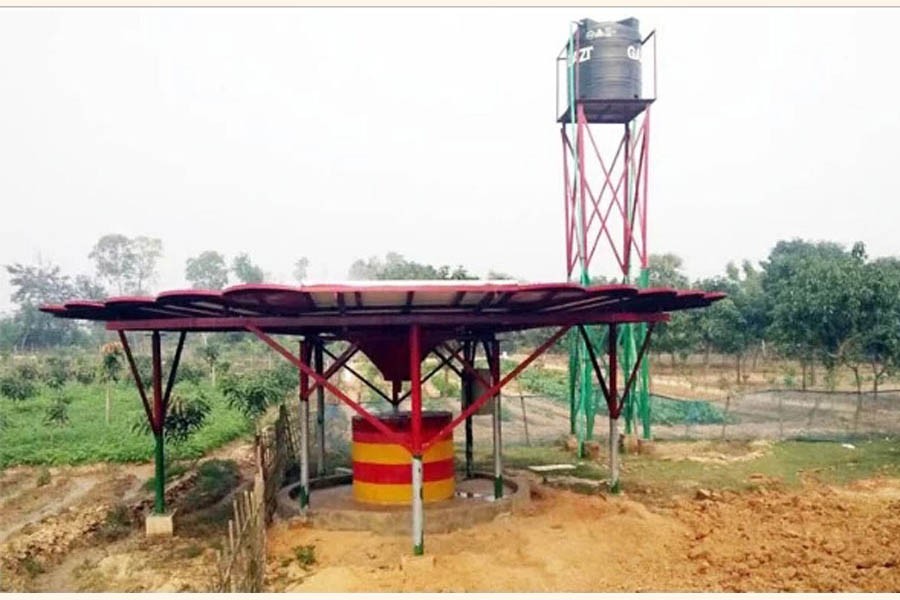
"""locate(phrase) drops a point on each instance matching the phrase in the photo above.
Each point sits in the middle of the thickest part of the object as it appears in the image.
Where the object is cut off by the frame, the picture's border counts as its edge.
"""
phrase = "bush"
(190, 372)
(253, 393)
(187, 413)
(56, 372)
(58, 412)
(84, 372)
(448, 388)
(27, 371)
(15, 387)
(305, 555)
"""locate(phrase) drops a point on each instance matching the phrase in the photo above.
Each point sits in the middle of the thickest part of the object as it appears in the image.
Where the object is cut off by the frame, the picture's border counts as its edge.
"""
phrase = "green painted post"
(644, 381)
(159, 485)
(626, 340)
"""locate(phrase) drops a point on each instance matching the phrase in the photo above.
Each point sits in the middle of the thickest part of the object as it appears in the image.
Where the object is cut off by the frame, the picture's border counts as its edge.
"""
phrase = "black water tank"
(609, 60)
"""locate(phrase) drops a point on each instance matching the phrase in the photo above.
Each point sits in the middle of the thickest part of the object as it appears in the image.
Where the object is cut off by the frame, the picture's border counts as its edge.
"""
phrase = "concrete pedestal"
(160, 525)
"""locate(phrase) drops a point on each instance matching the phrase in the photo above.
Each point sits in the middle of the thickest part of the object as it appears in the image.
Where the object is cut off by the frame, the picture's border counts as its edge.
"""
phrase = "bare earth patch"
(816, 538)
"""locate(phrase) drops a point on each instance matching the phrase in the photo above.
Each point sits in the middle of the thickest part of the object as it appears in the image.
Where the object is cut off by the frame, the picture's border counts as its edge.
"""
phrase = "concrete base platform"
(334, 508)
(160, 525)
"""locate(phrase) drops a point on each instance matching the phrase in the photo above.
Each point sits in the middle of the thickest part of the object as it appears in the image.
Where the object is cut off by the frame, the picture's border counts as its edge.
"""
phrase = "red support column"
(158, 425)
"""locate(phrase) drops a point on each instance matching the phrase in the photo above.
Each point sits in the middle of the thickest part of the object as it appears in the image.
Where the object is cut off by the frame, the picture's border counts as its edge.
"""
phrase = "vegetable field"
(28, 437)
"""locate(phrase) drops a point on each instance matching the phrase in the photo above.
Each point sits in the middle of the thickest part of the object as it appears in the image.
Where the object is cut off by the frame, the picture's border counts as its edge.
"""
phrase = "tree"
(493, 275)
(396, 267)
(252, 393)
(186, 415)
(87, 288)
(789, 287)
(114, 259)
(211, 352)
(146, 252)
(678, 336)
(245, 271)
(129, 265)
(875, 341)
(300, 269)
(34, 285)
(665, 270)
(207, 271)
(57, 413)
(111, 356)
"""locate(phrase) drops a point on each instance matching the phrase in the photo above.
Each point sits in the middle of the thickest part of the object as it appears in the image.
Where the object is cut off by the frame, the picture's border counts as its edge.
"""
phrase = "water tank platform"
(610, 111)
(473, 503)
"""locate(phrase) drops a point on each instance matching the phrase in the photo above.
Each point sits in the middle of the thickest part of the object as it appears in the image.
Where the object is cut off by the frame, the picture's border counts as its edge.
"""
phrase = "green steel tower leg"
(159, 483)
(644, 380)
(573, 361)
(626, 341)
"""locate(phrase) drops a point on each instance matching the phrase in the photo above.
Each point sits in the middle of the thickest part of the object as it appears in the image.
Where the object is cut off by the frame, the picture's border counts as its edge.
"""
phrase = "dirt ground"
(679, 537)
(59, 531)
(816, 538)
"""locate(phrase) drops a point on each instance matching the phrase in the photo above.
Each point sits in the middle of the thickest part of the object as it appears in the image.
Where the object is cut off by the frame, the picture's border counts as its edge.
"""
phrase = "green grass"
(788, 462)
(87, 438)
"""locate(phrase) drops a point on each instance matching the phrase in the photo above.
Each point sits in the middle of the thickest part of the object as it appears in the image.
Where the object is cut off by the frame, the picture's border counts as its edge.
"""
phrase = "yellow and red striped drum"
(382, 471)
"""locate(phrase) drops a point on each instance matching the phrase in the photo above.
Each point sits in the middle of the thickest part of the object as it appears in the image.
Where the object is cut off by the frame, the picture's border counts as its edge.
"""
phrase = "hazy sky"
(344, 133)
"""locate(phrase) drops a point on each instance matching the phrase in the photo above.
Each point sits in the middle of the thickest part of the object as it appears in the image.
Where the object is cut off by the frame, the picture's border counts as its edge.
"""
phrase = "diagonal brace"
(389, 433)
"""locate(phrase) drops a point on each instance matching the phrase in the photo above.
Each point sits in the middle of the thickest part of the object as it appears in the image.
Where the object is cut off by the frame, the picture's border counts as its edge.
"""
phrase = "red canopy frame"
(396, 326)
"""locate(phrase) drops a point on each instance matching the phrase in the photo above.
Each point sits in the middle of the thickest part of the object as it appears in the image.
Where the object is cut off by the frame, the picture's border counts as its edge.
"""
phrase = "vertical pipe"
(320, 411)
(494, 363)
(305, 351)
(613, 411)
(415, 379)
(159, 423)
(467, 382)
(524, 419)
(626, 222)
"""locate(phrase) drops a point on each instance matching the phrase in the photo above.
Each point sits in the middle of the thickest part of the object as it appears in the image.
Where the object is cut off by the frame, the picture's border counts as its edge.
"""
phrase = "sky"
(337, 134)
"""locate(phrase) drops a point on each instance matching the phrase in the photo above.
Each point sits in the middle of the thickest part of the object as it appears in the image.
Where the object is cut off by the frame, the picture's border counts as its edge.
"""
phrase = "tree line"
(129, 266)
(818, 303)
(815, 302)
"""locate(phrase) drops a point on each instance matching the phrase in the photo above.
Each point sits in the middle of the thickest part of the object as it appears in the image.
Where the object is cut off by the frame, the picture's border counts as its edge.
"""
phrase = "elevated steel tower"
(603, 107)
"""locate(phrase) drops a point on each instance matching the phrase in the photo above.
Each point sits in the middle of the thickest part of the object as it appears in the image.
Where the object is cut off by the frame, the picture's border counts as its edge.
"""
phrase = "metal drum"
(382, 471)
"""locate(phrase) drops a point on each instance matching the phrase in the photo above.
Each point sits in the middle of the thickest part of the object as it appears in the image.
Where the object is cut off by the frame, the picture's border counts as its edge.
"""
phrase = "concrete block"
(160, 525)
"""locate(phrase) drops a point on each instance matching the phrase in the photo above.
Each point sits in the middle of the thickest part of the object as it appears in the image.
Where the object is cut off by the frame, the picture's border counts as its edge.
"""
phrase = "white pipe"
(418, 511)
(614, 455)
(304, 455)
(498, 450)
